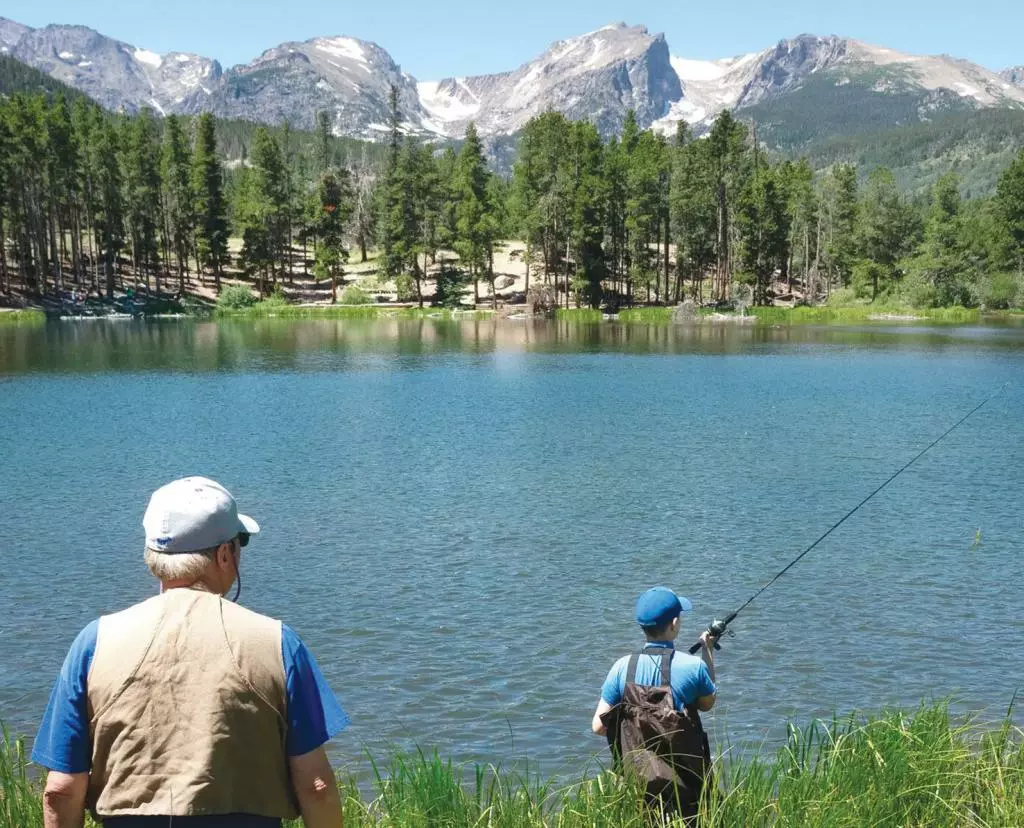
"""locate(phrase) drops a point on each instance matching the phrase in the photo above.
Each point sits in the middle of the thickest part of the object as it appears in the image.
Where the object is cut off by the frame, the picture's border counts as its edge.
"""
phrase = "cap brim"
(684, 604)
(248, 525)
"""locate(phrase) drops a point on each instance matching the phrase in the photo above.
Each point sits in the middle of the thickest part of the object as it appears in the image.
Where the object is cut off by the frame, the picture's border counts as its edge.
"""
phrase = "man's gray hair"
(182, 566)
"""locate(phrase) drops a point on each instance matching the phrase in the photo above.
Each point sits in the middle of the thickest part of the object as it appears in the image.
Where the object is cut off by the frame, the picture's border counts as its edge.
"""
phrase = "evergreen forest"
(94, 204)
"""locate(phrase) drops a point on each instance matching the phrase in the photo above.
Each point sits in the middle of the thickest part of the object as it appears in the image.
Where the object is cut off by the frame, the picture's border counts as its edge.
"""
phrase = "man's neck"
(661, 642)
(199, 586)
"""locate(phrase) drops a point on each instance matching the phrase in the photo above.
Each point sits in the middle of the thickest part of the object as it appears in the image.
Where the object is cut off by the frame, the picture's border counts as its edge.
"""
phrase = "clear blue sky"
(436, 38)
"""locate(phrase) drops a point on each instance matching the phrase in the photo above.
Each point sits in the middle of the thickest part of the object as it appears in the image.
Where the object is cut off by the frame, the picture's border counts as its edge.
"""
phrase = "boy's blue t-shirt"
(62, 743)
(689, 677)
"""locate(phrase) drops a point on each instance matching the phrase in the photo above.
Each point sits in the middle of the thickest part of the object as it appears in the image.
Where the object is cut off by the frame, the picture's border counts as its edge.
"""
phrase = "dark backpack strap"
(654, 652)
(666, 669)
(631, 669)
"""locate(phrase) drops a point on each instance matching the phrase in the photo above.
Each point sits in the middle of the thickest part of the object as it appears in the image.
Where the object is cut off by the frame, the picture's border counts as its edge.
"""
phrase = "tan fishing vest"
(188, 710)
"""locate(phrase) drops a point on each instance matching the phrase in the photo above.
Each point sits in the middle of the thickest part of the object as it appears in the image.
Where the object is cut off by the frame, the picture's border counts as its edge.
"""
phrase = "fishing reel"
(716, 629)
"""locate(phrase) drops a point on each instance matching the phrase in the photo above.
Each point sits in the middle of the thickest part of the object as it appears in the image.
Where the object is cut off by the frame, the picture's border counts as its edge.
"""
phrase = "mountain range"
(801, 88)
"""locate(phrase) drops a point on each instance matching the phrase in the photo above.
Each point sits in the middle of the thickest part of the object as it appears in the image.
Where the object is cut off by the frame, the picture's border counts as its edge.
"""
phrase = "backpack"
(666, 749)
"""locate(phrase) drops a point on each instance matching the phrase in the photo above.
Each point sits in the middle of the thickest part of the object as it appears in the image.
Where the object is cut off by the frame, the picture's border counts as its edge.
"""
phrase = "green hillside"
(879, 119)
(833, 103)
(978, 146)
(16, 77)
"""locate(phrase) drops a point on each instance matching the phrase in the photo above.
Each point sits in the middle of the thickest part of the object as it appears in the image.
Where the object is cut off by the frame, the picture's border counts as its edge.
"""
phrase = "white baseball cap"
(193, 514)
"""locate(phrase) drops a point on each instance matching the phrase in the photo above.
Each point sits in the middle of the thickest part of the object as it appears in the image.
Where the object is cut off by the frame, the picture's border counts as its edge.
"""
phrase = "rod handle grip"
(696, 648)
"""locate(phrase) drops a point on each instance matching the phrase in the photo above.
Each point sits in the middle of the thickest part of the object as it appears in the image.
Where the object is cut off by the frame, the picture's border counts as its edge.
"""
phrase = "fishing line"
(717, 628)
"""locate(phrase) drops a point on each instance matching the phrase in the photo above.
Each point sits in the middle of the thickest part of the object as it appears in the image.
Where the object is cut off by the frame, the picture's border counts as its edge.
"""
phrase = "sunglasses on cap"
(243, 539)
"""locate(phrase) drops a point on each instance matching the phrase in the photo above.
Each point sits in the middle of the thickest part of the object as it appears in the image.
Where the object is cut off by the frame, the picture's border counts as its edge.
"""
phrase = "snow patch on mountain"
(343, 47)
(149, 58)
(446, 102)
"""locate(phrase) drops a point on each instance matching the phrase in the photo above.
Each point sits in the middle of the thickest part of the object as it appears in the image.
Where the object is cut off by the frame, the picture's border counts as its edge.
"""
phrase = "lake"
(458, 516)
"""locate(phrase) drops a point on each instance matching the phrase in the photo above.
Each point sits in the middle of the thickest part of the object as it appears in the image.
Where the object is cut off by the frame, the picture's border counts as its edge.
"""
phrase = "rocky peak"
(598, 76)
(787, 65)
(345, 76)
(116, 74)
(10, 34)
(1014, 75)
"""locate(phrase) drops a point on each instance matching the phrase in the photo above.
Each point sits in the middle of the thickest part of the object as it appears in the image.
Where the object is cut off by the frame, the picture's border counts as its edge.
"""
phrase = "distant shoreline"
(760, 316)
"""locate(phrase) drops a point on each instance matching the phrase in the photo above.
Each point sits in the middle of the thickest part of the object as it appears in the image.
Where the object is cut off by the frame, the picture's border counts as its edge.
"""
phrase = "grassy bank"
(893, 769)
(22, 317)
(853, 314)
(272, 309)
(826, 314)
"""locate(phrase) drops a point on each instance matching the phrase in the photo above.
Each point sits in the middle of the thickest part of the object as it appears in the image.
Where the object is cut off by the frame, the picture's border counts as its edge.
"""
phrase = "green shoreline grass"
(843, 315)
(22, 317)
(891, 770)
(271, 309)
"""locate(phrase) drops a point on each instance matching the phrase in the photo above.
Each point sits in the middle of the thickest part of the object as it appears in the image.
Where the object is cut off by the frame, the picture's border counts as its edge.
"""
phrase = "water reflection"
(283, 345)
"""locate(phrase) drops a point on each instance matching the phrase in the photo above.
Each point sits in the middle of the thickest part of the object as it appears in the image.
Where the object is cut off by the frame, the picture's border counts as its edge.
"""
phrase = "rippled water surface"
(458, 516)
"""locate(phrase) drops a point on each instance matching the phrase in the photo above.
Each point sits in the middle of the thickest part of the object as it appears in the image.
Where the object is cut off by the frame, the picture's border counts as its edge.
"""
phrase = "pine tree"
(390, 194)
(1010, 208)
(142, 193)
(476, 230)
(323, 154)
(840, 199)
(364, 216)
(109, 218)
(763, 225)
(938, 272)
(588, 202)
(797, 183)
(210, 205)
(7, 175)
(335, 196)
(694, 205)
(887, 228)
(645, 208)
(176, 163)
(616, 179)
(727, 149)
(63, 177)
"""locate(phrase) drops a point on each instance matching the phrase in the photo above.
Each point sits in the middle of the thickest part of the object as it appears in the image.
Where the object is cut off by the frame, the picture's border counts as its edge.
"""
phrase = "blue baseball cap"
(658, 606)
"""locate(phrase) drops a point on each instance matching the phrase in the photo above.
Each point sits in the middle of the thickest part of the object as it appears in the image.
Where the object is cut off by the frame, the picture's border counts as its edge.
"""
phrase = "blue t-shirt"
(689, 677)
(62, 743)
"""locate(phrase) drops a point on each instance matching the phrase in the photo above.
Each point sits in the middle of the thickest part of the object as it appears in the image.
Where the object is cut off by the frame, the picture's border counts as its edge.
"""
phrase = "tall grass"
(892, 770)
(278, 308)
(22, 317)
(586, 315)
(646, 316)
(859, 313)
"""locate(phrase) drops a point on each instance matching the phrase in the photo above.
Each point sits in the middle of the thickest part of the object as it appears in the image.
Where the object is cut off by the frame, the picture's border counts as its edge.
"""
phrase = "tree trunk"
(58, 270)
(4, 284)
(419, 289)
(527, 253)
(108, 271)
(490, 276)
(722, 274)
(665, 263)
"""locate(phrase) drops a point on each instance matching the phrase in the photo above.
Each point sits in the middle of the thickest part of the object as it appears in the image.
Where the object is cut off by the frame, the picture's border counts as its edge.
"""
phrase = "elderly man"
(187, 709)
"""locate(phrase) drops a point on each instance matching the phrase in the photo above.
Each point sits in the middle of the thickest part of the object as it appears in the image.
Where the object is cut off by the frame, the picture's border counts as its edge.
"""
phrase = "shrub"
(842, 296)
(236, 297)
(405, 287)
(354, 295)
(1002, 291)
(918, 291)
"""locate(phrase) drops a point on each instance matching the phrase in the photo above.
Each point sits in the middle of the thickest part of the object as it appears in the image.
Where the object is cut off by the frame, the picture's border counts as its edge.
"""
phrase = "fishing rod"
(719, 627)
